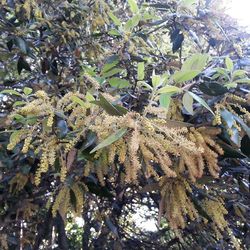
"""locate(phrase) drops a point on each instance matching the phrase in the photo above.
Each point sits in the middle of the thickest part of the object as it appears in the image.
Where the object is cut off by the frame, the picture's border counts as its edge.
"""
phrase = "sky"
(240, 9)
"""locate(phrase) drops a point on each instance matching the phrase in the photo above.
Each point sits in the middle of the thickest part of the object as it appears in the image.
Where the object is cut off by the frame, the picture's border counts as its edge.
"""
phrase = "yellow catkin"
(92, 80)
(133, 148)
(164, 144)
(211, 150)
(236, 98)
(103, 161)
(122, 152)
(41, 94)
(68, 146)
(177, 205)
(79, 197)
(63, 173)
(65, 203)
(43, 167)
(112, 153)
(216, 210)
(59, 199)
(50, 120)
(15, 138)
(217, 117)
(26, 144)
(100, 175)
(87, 168)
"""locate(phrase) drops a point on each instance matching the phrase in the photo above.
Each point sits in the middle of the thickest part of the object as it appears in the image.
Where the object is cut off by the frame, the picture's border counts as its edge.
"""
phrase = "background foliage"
(116, 108)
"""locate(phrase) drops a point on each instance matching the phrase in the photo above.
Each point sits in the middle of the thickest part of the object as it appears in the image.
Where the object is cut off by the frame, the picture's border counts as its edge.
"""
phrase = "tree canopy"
(115, 109)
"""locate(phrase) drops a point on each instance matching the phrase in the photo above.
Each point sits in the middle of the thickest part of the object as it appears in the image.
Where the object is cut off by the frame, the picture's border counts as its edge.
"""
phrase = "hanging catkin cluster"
(63, 202)
(208, 156)
(216, 210)
(48, 156)
(41, 135)
(176, 204)
(150, 147)
(149, 143)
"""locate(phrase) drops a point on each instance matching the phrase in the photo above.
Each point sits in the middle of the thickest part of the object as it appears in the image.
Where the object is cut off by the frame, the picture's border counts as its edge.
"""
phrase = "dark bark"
(62, 237)
(86, 233)
(44, 230)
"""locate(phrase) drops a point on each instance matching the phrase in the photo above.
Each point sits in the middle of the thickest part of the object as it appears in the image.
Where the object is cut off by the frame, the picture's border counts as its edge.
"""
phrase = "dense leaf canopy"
(112, 110)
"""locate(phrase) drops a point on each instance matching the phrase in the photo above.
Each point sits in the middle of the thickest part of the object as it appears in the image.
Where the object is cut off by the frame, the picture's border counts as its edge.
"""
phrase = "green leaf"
(183, 76)
(114, 32)
(118, 82)
(197, 62)
(149, 16)
(230, 152)
(111, 62)
(61, 115)
(111, 139)
(79, 101)
(100, 80)
(132, 22)
(10, 91)
(115, 19)
(140, 71)
(61, 128)
(243, 124)
(231, 85)
(229, 64)
(239, 73)
(112, 72)
(227, 117)
(223, 72)
(165, 78)
(235, 136)
(133, 6)
(245, 80)
(156, 80)
(245, 142)
(192, 67)
(22, 64)
(90, 140)
(108, 107)
(121, 109)
(187, 101)
(215, 76)
(212, 88)
(201, 101)
(31, 120)
(22, 45)
(89, 97)
(18, 103)
(27, 90)
(169, 89)
(165, 100)
(18, 117)
(146, 85)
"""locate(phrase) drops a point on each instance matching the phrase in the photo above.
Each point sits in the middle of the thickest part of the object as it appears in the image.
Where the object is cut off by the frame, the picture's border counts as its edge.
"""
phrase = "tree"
(111, 106)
